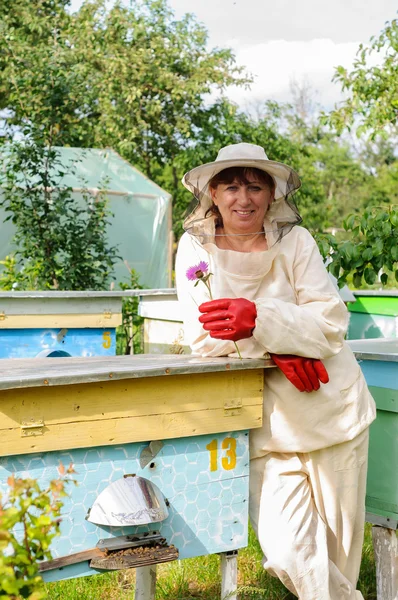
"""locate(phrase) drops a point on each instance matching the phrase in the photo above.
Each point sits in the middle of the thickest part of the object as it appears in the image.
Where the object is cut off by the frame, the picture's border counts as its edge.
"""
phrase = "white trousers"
(308, 511)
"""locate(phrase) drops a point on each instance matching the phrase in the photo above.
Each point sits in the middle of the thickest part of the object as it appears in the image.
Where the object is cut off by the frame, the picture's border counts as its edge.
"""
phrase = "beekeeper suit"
(309, 458)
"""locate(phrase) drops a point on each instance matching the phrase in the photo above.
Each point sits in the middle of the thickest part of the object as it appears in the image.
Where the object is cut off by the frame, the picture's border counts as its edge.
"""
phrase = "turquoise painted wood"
(382, 484)
(373, 315)
(30, 343)
(378, 360)
(371, 326)
(208, 496)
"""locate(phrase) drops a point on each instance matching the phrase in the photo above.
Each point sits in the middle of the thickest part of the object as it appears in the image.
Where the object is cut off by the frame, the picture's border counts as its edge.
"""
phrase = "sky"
(280, 41)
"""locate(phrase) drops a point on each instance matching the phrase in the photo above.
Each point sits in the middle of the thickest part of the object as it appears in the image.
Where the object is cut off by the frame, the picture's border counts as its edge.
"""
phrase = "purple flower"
(197, 271)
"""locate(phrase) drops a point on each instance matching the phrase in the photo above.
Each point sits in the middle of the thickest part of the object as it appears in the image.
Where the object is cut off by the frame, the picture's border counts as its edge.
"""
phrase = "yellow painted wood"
(132, 410)
(61, 320)
(137, 429)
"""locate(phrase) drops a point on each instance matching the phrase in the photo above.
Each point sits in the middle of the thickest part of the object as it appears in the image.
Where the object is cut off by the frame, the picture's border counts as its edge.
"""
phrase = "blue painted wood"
(380, 373)
(208, 510)
(29, 343)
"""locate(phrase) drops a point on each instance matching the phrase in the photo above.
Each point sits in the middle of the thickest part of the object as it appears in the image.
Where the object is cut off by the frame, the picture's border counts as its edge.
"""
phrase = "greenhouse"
(141, 220)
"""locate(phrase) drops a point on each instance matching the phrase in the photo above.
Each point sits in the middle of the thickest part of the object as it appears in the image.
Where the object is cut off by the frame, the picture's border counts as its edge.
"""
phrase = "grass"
(199, 578)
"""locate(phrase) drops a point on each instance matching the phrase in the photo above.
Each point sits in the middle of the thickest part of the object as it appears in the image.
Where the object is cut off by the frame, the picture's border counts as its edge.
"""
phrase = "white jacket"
(298, 312)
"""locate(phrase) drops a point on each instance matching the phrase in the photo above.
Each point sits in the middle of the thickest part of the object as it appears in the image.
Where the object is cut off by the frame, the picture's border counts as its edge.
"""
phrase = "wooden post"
(145, 583)
(386, 557)
(229, 575)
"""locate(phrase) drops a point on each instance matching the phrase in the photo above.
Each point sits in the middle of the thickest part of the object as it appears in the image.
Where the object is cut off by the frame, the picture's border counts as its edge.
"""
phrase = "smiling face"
(242, 197)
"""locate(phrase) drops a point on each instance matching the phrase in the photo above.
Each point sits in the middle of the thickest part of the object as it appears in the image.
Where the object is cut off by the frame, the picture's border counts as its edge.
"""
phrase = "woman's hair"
(239, 174)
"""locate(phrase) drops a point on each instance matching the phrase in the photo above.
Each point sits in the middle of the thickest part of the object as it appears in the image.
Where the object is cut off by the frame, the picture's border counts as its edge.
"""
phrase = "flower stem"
(237, 349)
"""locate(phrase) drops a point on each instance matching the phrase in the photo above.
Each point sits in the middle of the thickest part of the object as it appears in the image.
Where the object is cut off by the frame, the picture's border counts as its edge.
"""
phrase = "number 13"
(228, 462)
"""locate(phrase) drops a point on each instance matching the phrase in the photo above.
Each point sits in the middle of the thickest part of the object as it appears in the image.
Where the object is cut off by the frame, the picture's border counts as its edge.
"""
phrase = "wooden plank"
(380, 349)
(375, 305)
(161, 308)
(145, 583)
(59, 306)
(131, 429)
(386, 557)
(137, 557)
(385, 398)
(20, 373)
(130, 398)
(70, 559)
(30, 321)
(116, 412)
(87, 294)
(229, 575)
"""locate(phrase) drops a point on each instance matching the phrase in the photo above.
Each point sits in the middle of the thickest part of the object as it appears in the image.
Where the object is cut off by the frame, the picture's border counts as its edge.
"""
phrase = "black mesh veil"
(280, 218)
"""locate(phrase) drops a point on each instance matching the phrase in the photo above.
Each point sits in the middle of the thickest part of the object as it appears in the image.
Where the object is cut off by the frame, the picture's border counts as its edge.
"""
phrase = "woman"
(273, 295)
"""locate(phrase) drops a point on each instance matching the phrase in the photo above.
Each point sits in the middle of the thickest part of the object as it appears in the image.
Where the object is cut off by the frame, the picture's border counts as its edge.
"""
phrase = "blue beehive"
(55, 324)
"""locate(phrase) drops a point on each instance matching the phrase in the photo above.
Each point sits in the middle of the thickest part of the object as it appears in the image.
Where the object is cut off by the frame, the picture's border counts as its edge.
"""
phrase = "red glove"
(229, 318)
(304, 373)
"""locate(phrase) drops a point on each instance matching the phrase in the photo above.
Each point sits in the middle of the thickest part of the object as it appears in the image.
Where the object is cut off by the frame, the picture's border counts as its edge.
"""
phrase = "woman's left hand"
(229, 318)
(304, 373)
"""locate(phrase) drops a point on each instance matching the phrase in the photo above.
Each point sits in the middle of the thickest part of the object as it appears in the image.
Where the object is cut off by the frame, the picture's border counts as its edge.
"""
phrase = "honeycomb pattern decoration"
(205, 480)
(29, 343)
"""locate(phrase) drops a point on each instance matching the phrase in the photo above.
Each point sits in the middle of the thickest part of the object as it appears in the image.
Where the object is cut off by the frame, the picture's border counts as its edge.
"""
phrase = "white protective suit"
(309, 458)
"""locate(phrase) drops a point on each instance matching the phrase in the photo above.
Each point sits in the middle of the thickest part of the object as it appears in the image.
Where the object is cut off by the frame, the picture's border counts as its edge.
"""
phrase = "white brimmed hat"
(241, 155)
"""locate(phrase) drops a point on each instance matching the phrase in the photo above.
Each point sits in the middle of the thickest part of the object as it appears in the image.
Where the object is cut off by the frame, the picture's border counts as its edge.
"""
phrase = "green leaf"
(367, 254)
(357, 279)
(349, 222)
(378, 247)
(384, 278)
(370, 275)
(324, 247)
(394, 218)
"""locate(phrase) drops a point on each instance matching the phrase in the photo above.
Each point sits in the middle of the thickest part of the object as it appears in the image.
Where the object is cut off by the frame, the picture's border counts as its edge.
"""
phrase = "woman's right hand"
(304, 373)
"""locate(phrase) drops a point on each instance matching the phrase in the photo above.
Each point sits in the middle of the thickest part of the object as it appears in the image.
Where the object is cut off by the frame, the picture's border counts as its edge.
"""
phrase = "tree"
(42, 87)
(61, 241)
(372, 105)
(130, 77)
(372, 250)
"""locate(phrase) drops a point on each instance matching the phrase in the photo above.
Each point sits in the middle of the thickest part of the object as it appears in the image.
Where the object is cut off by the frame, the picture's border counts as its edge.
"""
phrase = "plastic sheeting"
(141, 223)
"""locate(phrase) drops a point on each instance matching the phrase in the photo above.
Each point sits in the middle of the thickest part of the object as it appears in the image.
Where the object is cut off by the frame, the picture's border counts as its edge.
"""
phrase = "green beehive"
(378, 360)
(374, 314)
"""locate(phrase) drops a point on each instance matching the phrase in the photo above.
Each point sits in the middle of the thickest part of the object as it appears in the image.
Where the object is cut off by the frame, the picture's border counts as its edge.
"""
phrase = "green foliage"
(130, 77)
(332, 175)
(29, 520)
(129, 334)
(135, 78)
(60, 241)
(371, 251)
(373, 99)
(41, 82)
